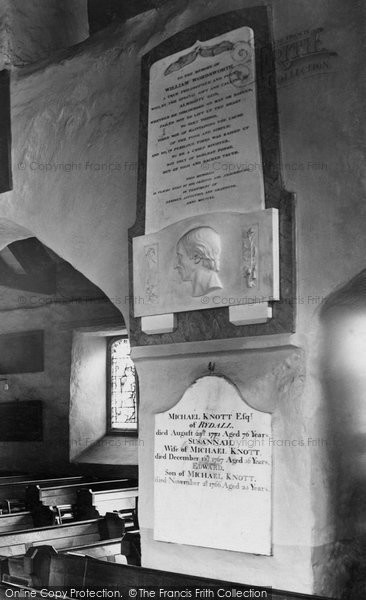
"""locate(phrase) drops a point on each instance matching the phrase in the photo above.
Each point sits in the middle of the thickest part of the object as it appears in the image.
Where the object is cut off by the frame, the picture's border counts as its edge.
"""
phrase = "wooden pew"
(108, 550)
(126, 551)
(12, 478)
(16, 490)
(92, 503)
(66, 493)
(16, 521)
(62, 536)
(47, 501)
(47, 568)
(131, 548)
(8, 478)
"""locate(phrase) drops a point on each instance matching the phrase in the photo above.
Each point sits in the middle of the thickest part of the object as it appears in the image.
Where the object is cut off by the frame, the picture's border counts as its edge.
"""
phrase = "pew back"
(49, 568)
(62, 536)
(108, 500)
(17, 489)
(63, 494)
(107, 550)
(16, 521)
(12, 478)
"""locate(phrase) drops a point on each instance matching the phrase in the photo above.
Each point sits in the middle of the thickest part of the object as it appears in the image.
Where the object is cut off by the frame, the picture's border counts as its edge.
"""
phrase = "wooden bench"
(126, 551)
(49, 502)
(92, 503)
(8, 479)
(16, 521)
(109, 550)
(12, 478)
(30, 569)
(12, 494)
(71, 535)
(131, 547)
(44, 567)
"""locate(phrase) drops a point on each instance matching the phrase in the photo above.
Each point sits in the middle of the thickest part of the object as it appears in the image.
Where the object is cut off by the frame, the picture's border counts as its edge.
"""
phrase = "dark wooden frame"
(22, 352)
(121, 431)
(6, 179)
(21, 421)
(214, 323)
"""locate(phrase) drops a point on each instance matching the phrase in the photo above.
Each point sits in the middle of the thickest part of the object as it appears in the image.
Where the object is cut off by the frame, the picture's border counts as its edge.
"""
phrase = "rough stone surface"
(32, 30)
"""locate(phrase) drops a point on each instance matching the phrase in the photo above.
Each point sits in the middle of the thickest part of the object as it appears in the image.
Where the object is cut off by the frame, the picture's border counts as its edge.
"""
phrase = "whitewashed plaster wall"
(89, 439)
(88, 389)
(52, 385)
(80, 111)
(271, 380)
(34, 29)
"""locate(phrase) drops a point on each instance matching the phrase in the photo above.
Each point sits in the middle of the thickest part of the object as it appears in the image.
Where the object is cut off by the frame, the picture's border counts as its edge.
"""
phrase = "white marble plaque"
(203, 150)
(209, 261)
(213, 468)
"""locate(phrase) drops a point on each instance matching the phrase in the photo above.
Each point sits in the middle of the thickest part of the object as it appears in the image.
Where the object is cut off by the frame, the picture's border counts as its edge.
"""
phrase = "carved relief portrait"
(198, 260)
(207, 261)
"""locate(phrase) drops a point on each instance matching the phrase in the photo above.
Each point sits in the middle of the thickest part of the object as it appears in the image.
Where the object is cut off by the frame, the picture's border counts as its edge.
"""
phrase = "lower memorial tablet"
(213, 466)
(209, 261)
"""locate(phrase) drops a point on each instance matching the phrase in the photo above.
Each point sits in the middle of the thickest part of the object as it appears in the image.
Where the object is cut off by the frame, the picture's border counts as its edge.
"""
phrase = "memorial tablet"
(203, 152)
(213, 465)
(209, 261)
(208, 114)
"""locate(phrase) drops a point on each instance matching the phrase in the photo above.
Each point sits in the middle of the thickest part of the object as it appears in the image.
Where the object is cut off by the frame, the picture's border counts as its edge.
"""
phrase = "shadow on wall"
(43, 301)
(343, 317)
(102, 14)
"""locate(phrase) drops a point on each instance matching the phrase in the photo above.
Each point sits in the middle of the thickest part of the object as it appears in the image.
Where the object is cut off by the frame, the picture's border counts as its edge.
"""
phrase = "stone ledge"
(217, 346)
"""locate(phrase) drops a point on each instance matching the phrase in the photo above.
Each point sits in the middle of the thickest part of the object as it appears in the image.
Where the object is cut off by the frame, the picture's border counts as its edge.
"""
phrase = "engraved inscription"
(203, 150)
(213, 462)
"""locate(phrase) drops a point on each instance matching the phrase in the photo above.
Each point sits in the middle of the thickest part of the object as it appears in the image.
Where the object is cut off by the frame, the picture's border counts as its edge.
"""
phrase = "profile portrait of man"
(198, 259)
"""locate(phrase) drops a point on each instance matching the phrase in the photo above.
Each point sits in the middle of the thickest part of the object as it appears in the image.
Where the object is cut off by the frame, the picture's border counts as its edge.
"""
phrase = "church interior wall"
(57, 319)
(75, 143)
(90, 440)
(270, 379)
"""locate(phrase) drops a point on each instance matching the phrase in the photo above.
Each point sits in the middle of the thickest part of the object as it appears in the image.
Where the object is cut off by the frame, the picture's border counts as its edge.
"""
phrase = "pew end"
(112, 526)
(131, 548)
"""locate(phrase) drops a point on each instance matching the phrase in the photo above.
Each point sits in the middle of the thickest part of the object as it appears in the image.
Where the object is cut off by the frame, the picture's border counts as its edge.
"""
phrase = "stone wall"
(75, 141)
(34, 30)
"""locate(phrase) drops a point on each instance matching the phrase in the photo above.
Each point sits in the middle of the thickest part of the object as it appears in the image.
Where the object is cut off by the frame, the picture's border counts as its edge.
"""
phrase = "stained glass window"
(123, 388)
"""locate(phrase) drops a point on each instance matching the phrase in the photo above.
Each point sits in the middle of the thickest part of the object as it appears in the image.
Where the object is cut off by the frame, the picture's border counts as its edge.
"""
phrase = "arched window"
(122, 387)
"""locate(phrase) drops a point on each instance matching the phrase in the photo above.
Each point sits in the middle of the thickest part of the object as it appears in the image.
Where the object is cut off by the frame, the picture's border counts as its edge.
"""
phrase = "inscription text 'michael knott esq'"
(212, 469)
(212, 443)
